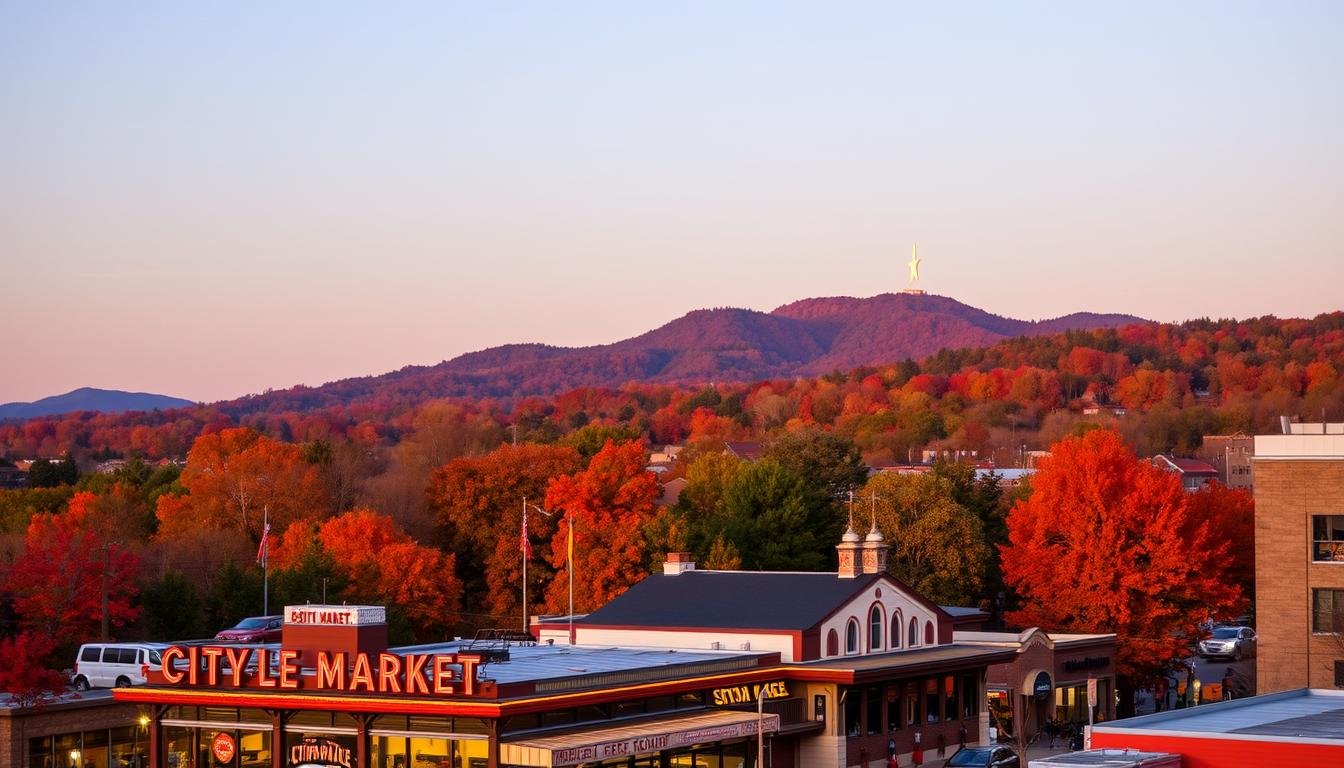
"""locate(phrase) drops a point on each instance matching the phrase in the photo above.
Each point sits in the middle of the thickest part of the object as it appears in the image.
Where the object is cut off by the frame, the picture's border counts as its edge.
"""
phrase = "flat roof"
(648, 735)
(557, 668)
(930, 657)
(1301, 715)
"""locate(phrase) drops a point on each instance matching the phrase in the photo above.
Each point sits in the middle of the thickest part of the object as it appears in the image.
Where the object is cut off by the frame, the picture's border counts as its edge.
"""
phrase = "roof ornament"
(850, 535)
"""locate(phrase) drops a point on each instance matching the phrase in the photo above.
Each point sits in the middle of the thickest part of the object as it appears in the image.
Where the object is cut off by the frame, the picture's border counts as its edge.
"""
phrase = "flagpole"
(523, 547)
(570, 568)
(265, 562)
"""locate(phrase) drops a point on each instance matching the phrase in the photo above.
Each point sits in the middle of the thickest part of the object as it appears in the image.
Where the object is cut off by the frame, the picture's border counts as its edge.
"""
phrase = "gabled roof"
(1187, 466)
(748, 451)
(731, 600)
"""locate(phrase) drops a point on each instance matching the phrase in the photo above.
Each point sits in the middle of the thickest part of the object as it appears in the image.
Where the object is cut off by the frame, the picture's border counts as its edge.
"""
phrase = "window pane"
(949, 699)
(874, 721)
(931, 700)
(1327, 613)
(893, 708)
(853, 703)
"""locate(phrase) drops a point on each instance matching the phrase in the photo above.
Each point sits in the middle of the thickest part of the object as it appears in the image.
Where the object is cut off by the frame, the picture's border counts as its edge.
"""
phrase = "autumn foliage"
(608, 504)
(1109, 543)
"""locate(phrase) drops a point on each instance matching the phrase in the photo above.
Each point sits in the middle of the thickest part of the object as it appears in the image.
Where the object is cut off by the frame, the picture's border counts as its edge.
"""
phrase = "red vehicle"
(254, 629)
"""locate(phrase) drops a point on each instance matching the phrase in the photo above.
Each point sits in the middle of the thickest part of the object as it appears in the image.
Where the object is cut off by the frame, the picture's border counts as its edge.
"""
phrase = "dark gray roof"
(730, 600)
(1297, 714)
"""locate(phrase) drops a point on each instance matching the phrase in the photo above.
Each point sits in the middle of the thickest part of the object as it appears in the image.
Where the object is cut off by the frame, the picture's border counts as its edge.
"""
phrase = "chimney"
(678, 562)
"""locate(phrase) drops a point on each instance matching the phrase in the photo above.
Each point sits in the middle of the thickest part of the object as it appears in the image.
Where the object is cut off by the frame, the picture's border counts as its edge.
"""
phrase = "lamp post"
(760, 727)
(527, 552)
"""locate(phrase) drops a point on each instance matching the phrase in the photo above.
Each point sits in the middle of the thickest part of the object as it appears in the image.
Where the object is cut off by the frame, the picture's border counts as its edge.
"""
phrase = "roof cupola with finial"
(874, 546)
(850, 548)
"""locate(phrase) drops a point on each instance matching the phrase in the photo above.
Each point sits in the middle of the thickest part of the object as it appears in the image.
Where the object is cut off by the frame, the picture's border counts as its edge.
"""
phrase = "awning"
(639, 738)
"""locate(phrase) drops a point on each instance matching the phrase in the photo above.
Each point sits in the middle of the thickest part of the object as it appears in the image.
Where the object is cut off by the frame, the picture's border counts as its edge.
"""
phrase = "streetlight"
(760, 726)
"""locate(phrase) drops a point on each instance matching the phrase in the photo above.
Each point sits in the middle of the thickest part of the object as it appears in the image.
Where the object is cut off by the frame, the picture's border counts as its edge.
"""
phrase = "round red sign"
(223, 747)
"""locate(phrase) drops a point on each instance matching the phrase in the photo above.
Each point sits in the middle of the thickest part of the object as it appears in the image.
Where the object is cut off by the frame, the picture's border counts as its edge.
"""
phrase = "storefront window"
(39, 752)
(894, 708)
(179, 747)
(969, 689)
(873, 724)
(254, 749)
(853, 708)
(67, 751)
(911, 704)
(931, 700)
(388, 751)
(949, 698)
(94, 749)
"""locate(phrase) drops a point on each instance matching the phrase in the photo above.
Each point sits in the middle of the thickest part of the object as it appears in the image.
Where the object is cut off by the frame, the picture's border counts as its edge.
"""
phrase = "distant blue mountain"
(90, 399)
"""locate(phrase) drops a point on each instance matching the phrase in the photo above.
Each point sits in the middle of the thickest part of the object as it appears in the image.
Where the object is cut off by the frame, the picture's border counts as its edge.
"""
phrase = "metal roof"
(743, 600)
(1303, 714)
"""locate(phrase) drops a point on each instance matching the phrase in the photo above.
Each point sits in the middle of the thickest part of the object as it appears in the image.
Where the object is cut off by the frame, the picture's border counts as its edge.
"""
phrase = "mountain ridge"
(92, 399)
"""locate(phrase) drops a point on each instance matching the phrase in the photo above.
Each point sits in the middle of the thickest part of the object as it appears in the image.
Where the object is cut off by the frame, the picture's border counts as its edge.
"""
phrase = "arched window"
(928, 633)
(852, 636)
(875, 623)
(896, 632)
(832, 643)
(914, 632)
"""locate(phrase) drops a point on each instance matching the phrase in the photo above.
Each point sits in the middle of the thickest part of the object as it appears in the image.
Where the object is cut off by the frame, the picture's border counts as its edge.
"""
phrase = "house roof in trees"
(732, 600)
(747, 451)
(1185, 466)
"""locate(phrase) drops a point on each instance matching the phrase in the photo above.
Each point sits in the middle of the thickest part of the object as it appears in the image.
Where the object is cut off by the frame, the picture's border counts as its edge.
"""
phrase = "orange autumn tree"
(478, 504)
(236, 476)
(608, 503)
(1107, 543)
(381, 565)
(1230, 516)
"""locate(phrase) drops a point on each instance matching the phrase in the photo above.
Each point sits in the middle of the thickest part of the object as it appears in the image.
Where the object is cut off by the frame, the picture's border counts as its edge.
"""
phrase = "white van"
(105, 665)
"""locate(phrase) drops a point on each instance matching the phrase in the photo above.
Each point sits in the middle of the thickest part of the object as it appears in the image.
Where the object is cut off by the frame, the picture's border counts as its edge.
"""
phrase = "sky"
(213, 199)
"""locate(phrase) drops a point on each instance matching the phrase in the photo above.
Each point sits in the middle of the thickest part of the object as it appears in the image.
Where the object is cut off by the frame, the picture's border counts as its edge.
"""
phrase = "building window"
(1327, 538)
(914, 632)
(949, 698)
(853, 710)
(969, 689)
(896, 625)
(875, 623)
(873, 715)
(1327, 610)
(832, 643)
(893, 708)
(931, 700)
(911, 704)
(1339, 674)
(852, 636)
(928, 633)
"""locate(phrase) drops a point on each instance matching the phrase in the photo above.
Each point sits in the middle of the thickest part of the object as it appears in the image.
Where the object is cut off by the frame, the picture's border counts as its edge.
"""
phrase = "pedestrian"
(917, 756)
(962, 734)
(1228, 680)
(942, 744)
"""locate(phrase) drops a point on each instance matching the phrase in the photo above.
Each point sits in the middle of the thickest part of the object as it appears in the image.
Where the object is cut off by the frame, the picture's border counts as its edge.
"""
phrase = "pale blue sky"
(209, 200)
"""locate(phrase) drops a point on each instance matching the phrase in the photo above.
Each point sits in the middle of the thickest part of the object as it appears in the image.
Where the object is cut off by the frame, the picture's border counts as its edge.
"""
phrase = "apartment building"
(1299, 557)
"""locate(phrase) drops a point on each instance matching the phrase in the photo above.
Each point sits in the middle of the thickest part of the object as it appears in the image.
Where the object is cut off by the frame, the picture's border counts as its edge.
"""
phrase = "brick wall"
(1287, 493)
(96, 711)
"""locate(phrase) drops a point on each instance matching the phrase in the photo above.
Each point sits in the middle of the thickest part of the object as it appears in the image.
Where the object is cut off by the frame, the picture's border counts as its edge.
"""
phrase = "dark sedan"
(985, 757)
(254, 629)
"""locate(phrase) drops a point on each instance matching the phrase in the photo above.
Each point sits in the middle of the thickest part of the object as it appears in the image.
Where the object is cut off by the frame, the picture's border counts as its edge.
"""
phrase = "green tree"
(45, 473)
(172, 608)
(775, 520)
(937, 546)
(829, 463)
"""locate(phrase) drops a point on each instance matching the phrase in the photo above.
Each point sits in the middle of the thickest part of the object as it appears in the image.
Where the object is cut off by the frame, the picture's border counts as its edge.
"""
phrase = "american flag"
(261, 548)
(524, 543)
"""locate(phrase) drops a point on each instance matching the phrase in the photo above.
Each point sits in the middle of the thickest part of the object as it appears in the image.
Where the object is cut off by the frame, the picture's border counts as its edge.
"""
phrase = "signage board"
(438, 674)
(1041, 687)
(317, 752)
(335, 615)
(747, 694)
(223, 747)
(656, 742)
(1091, 691)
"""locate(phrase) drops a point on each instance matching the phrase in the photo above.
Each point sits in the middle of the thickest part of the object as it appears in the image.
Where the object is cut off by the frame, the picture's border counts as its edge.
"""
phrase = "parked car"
(1228, 642)
(254, 629)
(984, 757)
(105, 665)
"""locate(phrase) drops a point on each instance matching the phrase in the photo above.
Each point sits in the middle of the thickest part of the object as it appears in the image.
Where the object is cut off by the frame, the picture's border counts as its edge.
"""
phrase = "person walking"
(1229, 677)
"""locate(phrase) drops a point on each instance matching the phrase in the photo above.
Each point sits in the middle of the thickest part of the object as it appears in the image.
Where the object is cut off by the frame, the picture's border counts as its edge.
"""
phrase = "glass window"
(875, 629)
(873, 720)
(388, 752)
(949, 698)
(896, 630)
(89, 654)
(1327, 538)
(39, 752)
(931, 702)
(969, 688)
(832, 643)
(1327, 610)
(853, 710)
(894, 708)
(911, 704)
(852, 636)
(67, 751)
(928, 633)
(914, 632)
(254, 749)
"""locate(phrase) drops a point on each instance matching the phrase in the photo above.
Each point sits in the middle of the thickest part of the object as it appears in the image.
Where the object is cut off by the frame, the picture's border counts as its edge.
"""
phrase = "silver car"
(1229, 643)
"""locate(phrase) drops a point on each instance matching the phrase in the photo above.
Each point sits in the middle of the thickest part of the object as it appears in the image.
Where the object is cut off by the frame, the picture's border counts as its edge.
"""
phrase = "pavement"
(1034, 752)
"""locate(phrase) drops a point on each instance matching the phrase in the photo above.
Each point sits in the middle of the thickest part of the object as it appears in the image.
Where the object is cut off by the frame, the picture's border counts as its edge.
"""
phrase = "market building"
(687, 669)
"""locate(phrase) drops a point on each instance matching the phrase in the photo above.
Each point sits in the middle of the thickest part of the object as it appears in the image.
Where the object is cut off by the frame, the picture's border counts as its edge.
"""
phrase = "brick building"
(88, 730)
(1299, 557)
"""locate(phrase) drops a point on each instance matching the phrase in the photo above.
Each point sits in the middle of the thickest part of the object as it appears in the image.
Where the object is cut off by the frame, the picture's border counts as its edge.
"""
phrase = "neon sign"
(439, 674)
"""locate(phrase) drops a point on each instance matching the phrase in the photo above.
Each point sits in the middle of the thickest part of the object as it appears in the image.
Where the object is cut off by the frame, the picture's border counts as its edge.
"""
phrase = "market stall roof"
(639, 737)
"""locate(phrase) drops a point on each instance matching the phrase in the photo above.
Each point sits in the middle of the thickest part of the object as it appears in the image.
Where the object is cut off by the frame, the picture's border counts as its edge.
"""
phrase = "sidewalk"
(1034, 752)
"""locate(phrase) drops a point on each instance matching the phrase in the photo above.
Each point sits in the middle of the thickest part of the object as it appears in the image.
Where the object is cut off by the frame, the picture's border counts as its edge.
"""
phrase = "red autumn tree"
(76, 577)
(478, 502)
(1107, 543)
(1230, 516)
(382, 565)
(234, 477)
(608, 504)
(25, 675)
